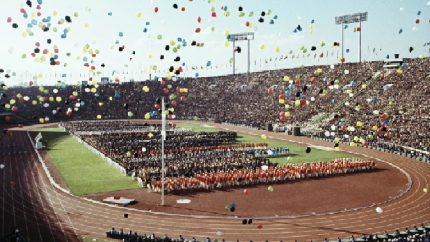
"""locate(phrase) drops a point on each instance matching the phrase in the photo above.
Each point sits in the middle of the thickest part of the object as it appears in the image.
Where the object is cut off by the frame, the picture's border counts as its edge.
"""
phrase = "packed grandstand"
(309, 146)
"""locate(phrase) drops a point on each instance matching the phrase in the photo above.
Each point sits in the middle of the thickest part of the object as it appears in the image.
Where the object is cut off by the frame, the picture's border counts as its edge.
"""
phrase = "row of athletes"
(243, 177)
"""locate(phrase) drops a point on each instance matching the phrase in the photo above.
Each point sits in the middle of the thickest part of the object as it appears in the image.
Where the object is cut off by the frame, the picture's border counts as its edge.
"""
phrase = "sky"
(101, 27)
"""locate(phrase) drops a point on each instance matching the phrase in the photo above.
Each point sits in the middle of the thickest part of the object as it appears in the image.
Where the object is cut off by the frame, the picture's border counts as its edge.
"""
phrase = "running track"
(44, 213)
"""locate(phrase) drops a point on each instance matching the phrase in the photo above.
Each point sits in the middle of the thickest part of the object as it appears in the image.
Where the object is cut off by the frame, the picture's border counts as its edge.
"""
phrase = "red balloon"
(14, 109)
(199, 20)
(282, 96)
(270, 91)
(197, 30)
(247, 23)
(282, 114)
(303, 102)
(157, 106)
(173, 102)
(213, 14)
(183, 98)
(417, 21)
(156, 9)
(166, 91)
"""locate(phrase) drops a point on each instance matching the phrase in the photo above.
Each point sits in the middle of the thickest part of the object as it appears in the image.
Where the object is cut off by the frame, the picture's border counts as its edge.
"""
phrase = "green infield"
(83, 171)
(297, 152)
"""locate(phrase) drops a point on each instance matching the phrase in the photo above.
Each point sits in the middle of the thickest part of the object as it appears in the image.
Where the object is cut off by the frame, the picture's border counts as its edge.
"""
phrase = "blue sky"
(93, 26)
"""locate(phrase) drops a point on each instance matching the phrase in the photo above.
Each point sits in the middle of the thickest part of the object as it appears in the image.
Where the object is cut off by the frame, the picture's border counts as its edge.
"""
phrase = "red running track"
(46, 214)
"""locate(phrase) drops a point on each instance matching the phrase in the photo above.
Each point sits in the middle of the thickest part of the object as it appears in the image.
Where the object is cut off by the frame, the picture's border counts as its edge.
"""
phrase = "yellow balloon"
(99, 116)
(281, 101)
(12, 101)
(147, 116)
(263, 136)
(51, 99)
(297, 102)
(59, 99)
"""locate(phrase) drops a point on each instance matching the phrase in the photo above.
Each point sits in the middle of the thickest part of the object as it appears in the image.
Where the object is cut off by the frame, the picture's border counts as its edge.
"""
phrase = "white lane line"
(42, 204)
(18, 163)
(3, 193)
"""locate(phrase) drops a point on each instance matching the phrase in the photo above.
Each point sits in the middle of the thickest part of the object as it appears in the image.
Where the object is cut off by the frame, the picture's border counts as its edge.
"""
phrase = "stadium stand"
(389, 104)
(416, 234)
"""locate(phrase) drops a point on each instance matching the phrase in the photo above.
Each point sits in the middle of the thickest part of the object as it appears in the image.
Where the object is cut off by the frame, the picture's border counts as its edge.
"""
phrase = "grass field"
(297, 151)
(83, 171)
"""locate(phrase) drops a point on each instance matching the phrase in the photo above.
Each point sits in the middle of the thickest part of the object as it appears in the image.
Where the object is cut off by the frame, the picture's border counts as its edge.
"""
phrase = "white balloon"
(218, 233)
(264, 168)
(2, 166)
(379, 210)
(269, 152)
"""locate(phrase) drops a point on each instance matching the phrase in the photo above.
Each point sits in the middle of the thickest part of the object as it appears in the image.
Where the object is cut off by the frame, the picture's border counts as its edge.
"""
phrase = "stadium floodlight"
(353, 18)
(241, 37)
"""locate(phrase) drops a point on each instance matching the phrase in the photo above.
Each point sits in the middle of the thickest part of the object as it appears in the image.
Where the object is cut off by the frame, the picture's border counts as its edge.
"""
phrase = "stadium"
(214, 121)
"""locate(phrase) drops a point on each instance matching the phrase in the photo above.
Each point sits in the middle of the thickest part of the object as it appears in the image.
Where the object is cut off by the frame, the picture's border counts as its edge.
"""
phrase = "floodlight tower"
(240, 37)
(353, 18)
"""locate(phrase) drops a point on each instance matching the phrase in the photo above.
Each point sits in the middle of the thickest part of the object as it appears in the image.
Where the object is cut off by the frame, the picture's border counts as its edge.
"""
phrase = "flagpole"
(163, 137)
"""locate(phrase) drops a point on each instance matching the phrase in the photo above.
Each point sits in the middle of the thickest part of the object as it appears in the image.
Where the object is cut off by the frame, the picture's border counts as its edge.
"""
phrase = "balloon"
(379, 210)
(130, 114)
(425, 190)
(145, 88)
(99, 116)
(270, 189)
(245, 191)
(263, 136)
(2, 166)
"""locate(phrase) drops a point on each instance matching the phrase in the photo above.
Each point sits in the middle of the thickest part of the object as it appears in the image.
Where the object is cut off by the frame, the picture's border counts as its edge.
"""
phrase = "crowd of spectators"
(390, 104)
(416, 234)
